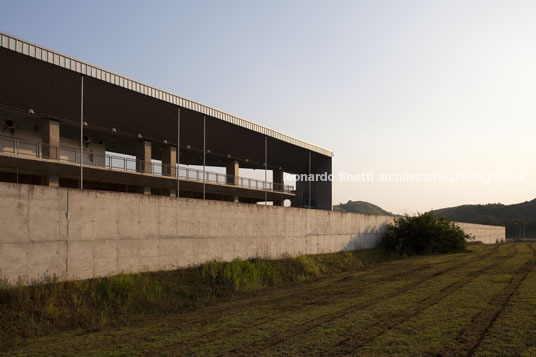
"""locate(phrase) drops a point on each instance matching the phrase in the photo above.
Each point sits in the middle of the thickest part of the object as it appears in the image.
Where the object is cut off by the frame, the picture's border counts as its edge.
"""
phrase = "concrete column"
(51, 139)
(143, 156)
(169, 160)
(232, 171)
(51, 147)
(278, 184)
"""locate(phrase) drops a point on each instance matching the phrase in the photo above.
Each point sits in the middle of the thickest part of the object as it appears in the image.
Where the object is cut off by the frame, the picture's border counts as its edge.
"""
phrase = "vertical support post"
(309, 179)
(169, 160)
(204, 152)
(143, 161)
(178, 147)
(231, 171)
(169, 166)
(143, 156)
(265, 170)
(51, 140)
(82, 134)
(51, 148)
(231, 176)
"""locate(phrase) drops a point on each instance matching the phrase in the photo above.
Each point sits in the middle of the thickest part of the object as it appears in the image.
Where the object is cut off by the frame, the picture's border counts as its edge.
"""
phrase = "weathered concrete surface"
(73, 234)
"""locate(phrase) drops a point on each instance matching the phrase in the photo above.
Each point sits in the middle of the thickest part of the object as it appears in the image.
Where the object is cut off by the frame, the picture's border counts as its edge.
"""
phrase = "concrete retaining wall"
(73, 234)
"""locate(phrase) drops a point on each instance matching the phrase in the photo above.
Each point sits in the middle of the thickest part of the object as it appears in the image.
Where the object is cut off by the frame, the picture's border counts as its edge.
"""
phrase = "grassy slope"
(480, 302)
(361, 207)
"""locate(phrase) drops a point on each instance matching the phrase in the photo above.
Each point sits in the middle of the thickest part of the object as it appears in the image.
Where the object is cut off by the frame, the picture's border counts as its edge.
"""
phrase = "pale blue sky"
(389, 86)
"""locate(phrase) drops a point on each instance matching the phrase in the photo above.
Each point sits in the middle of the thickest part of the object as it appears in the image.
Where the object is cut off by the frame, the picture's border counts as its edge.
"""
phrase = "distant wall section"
(483, 233)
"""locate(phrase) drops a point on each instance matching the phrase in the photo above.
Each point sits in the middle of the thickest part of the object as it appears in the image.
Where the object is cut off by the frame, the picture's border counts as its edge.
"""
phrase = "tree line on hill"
(519, 219)
(361, 207)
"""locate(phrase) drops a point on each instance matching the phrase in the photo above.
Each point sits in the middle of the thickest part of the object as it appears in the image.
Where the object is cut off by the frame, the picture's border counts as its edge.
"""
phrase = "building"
(71, 124)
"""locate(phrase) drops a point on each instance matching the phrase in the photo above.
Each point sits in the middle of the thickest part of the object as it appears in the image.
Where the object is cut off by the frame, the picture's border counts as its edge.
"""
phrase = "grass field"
(478, 303)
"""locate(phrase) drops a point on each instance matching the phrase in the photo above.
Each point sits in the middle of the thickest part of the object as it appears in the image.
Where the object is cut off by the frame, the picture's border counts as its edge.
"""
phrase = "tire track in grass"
(261, 345)
(469, 338)
(348, 346)
(313, 288)
(379, 269)
(337, 291)
(166, 323)
(303, 302)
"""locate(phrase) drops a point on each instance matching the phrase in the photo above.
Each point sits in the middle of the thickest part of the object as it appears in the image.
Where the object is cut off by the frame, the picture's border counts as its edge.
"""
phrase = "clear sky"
(435, 87)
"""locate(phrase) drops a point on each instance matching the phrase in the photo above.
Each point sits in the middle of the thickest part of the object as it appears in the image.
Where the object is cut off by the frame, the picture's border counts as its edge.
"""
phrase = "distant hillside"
(361, 207)
(519, 219)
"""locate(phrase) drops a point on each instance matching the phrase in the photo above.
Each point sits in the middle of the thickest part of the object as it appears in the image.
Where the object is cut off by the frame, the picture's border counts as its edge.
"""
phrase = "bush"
(424, 234)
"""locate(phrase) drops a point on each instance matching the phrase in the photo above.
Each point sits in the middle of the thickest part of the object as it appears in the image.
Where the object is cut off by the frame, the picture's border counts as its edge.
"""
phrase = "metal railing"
(18, 147)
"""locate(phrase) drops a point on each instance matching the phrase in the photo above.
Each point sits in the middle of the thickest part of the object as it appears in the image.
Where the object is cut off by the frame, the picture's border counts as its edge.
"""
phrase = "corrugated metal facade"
(46, 55)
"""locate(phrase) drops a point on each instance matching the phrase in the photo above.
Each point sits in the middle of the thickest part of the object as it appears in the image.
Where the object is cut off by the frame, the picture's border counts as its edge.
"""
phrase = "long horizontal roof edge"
(53, 57)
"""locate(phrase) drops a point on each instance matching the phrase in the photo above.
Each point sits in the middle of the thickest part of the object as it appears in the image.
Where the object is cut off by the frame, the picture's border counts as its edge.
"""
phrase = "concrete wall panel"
(168, 253)
(105, 260)
(47, 260)
(80, 259)
(185, 224)
(128, 255)
(46, 214)
(104, 216)
(15, 209)
(14, 261)
(167, 215)
(311, 244)
(149, 249)
(280, 246)
(80, 214)
(300, 245)
(200, 250)
(128, 219)
(185, 252)
(149, 217)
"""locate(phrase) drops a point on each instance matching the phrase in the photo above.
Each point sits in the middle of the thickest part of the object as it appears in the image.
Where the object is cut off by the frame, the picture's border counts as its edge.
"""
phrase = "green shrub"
(113, 292)
(242, 276)
(424, 234)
